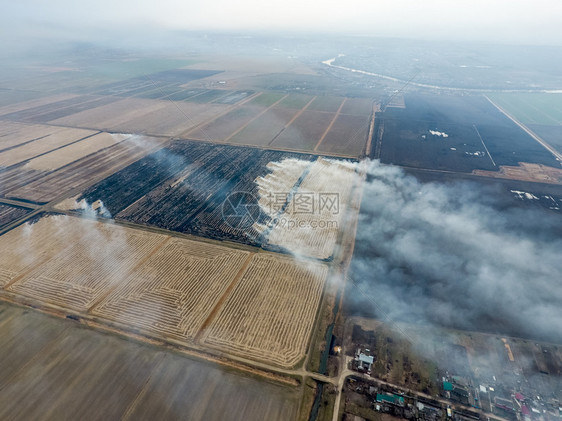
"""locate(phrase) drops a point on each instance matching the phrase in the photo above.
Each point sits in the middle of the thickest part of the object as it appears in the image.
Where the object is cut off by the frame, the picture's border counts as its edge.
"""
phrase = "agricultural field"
(43, 102)
(456, 133)
(172, 119)
(13, 134)
(267, 99)
(305, 132)
(550, 134)
(44, 178)
(531, 108)
(166, 295)
(114, 378)
(165, 287)
(112, 116)
(330, 104)
(184, 186)
(61, 157)
(226, 125)
(312, 219)
(164, 106)
(9, 214)
(347, 135)
(296, 101)
(172, 79)
(87, 260)
(12, 96)
(265, 128)
(540, 112)
(38, 141)
(23, 248)
(332, 125)
(59, 109)
(274, 291)
(357, 106)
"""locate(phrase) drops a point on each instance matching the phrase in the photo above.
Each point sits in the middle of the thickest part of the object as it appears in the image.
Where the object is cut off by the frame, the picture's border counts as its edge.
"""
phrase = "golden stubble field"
(257, 306)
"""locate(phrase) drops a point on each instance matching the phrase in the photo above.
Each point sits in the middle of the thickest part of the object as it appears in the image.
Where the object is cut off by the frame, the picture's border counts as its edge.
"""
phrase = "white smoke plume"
(449, 255)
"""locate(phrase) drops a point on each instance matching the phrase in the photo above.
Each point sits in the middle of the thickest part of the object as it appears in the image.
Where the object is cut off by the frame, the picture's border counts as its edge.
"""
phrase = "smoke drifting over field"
(452, 255)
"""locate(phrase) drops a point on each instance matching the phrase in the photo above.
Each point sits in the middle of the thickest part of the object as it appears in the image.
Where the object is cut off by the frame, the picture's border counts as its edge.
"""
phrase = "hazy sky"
(514, 21)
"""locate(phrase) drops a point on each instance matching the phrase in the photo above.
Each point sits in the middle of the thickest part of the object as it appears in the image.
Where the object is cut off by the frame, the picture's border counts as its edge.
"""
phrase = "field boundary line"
(371, 131)
(549, 148)
(330, 125)
(141, 262)
(219, 304)
(292, 120)
(23, 274)
(142, 392)
(189, 131)
(18, 203)
(132, 158)
(253, 119)
(21, 163)
(483, 144)
(182, 112)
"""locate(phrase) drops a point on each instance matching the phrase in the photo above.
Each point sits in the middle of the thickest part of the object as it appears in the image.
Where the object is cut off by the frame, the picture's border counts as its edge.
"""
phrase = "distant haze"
(498, 21)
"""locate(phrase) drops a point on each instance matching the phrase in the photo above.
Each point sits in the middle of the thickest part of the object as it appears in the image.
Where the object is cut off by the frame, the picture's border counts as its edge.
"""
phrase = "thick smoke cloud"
(450, 255)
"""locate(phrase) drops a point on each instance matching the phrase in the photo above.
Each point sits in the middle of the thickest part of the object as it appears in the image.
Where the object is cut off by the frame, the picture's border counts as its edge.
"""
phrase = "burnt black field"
(503, 194)
(458, 252)
(9, 214)
(183, 188)
(467, 121)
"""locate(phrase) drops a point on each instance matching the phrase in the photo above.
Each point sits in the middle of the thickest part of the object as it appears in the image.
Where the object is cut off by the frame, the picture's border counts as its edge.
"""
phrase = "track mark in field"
(225, 295)
(297, 115)
(142, 392)
(217, 116)
(330, 125)
(254, 119)
(483, 144)
(139, 263)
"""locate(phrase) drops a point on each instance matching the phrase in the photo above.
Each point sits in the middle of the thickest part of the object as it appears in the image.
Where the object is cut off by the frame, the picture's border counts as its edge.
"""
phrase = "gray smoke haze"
(448, 255)
(502, 20)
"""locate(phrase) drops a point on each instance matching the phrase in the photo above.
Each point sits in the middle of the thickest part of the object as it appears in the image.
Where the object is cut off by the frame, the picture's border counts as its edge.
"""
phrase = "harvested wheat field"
(87, 259)
(64, 156)
(14, 133)
(45, 141)
(112, 116)
(175, 290)
(174, 118)
(34, 103)
(41, 186)
(270, 313)
(25, 247)
(244, 304)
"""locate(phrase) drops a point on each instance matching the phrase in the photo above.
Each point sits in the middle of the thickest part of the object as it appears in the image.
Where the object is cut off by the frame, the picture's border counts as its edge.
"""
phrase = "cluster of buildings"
(527, 408)
(400, 403)
(501, 401)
